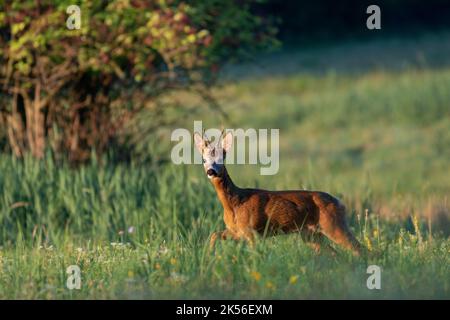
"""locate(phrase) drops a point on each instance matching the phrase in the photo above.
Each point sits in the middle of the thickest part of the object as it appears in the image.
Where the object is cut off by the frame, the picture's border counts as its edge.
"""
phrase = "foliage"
(76, 89)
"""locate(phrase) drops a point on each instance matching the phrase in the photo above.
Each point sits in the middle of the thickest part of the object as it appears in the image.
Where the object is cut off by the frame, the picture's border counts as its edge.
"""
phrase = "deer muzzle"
(211, 173)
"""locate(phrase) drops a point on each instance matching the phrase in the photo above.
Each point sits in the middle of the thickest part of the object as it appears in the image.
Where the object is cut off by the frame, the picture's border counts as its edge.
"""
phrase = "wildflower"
(130, 274)
(415, 222)
(293, 279)
(173, 261)
(118, 245)
(79, 250)
(368, 243)
(163, 250)
(256, 275)
(178, 277)
(400, 237)
(121, 233)
(157, 266)
(375, 233)
(270, 285)
(131, 229)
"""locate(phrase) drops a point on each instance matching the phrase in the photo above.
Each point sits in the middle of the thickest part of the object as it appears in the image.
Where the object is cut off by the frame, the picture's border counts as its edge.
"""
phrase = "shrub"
(74, 90)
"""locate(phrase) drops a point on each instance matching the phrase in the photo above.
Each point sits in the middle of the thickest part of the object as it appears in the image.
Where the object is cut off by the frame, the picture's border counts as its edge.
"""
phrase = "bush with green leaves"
(74, 90)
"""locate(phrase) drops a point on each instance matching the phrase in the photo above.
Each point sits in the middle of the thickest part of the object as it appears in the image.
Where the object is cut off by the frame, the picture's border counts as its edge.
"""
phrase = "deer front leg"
(223, 235)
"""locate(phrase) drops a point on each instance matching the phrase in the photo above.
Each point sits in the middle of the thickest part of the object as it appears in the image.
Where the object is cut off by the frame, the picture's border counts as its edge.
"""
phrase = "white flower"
(178, 277)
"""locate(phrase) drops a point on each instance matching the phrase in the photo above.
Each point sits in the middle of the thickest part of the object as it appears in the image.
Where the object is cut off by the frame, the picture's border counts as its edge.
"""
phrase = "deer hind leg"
(334, 225)
(316, 241)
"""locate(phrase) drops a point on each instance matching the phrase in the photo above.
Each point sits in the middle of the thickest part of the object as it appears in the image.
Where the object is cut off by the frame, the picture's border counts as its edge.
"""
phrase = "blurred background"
(362, 113)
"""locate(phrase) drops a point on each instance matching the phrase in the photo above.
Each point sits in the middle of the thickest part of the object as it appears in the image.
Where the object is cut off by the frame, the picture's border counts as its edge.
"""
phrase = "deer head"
(213, 154)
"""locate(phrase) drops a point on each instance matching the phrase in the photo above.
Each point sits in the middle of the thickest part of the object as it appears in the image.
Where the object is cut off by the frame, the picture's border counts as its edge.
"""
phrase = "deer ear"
(199, 144)
(227, 141)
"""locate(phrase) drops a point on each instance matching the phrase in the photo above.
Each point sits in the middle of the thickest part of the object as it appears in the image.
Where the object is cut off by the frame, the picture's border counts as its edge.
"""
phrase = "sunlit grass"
(377, 139)
(146, 236)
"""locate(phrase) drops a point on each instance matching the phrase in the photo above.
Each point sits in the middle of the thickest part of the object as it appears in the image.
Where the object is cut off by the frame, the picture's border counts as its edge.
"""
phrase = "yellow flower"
(270, 285)
(416, 224)
(256, 275)
(293, 279)
(375, 233)
(130, 274)
(173, 261)
(157, 266)
(368, 243)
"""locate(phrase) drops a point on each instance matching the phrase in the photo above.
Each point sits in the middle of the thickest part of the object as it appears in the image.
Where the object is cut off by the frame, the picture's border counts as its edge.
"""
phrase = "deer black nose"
(211, 172)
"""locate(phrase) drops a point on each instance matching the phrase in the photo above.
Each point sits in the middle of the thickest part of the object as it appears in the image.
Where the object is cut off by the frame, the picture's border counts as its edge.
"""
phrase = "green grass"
(83, 218)
(378, 139)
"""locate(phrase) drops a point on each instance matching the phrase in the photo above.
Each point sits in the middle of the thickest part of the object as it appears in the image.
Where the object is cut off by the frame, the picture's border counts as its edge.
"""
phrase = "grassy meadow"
(367, 121)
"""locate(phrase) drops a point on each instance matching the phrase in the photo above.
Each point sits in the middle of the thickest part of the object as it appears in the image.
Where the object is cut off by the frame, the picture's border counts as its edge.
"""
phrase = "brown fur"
(249, 211)
(312, 213)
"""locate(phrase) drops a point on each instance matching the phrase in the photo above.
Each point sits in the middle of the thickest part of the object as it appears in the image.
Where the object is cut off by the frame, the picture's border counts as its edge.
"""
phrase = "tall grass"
(138, 233)
(379, 140)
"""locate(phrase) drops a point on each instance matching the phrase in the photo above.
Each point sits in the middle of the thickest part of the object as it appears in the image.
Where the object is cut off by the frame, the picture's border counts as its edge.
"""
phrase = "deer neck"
(227, 191)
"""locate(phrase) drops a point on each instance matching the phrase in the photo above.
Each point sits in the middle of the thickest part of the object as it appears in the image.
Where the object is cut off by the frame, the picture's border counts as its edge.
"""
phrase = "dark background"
(321, 20)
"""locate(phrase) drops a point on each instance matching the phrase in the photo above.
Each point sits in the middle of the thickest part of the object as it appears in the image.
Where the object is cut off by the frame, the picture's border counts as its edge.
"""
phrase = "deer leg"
(316, 241)
(222, 235)
(334, 226)
(249, 236)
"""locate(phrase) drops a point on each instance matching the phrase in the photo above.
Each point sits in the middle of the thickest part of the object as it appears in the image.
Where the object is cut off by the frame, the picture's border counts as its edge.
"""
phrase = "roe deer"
(249, 211)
